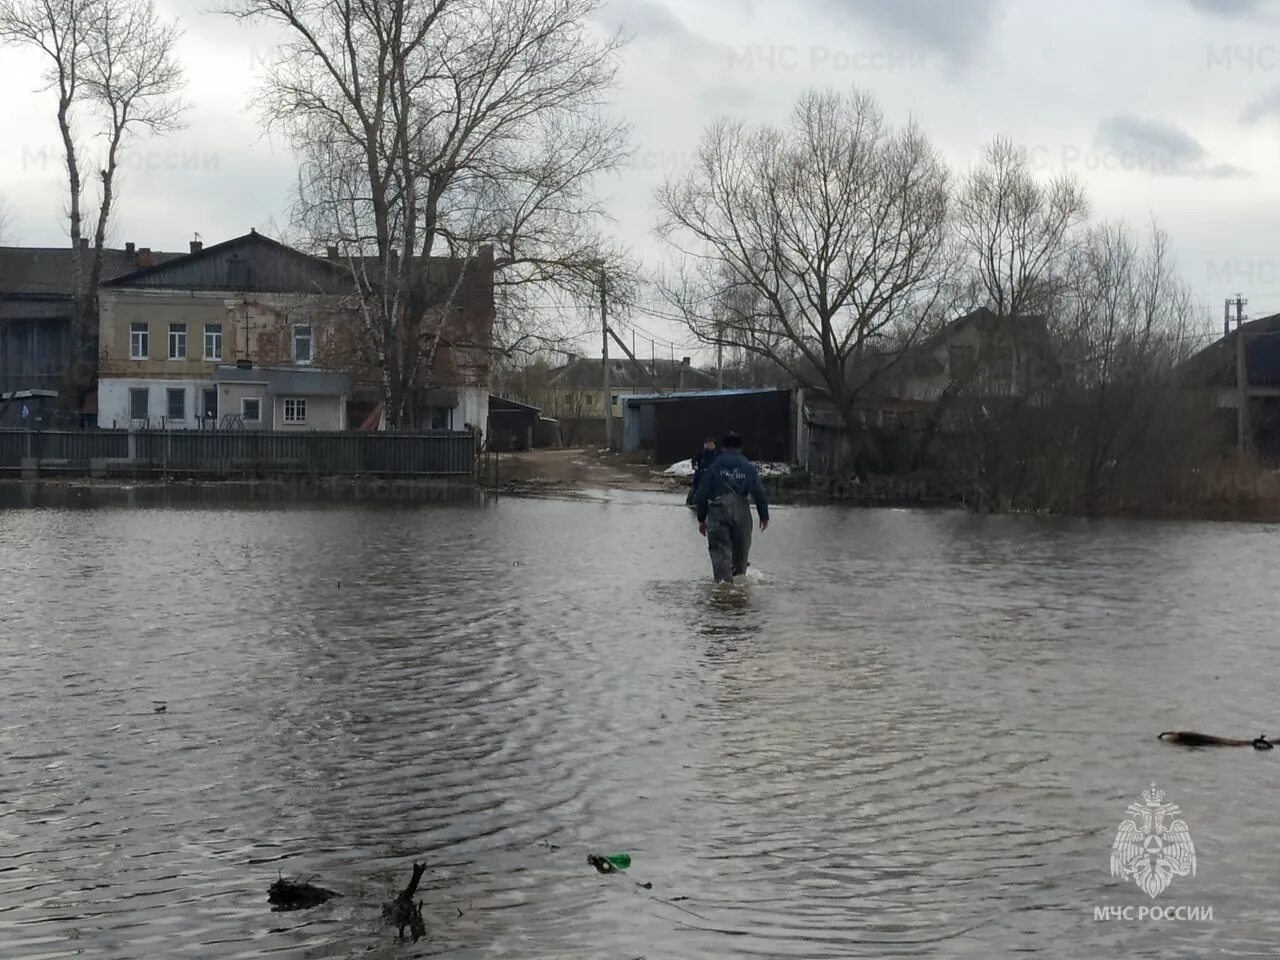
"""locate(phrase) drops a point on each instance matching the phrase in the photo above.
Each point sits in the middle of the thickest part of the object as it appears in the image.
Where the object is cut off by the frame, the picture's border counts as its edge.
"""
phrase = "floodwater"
(911, 734)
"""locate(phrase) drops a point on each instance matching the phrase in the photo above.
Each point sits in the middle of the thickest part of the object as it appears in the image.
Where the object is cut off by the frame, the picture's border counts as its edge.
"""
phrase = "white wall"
(113, 402)
(473, 408)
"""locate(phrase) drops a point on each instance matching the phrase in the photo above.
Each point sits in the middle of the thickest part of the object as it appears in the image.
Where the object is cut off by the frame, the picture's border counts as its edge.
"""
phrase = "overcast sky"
(1168, 109)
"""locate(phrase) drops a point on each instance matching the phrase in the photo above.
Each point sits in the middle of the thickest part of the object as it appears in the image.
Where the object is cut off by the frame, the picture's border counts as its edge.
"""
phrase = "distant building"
(980, 351)
(1214, 368)
(577, 388)
(673, 426)
(253, 333)
(37, 296)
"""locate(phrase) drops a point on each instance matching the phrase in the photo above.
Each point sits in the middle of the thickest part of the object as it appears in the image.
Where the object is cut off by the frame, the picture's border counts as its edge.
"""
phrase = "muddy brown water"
(912, 734)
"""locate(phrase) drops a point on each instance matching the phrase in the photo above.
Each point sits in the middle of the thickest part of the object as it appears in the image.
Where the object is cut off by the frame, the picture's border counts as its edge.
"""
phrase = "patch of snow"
(684, 468)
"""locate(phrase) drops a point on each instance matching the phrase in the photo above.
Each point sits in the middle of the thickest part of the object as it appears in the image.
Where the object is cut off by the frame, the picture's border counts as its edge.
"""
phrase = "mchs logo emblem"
(1152, 848)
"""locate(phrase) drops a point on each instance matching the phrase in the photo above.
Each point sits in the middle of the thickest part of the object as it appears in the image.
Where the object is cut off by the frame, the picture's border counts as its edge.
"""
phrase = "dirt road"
(577, 469)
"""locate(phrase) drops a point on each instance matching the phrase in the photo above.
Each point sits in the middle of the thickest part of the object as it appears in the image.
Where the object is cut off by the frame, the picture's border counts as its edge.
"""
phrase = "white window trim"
(186, 346)
(311, 344)
(146, 342)
(284, 411)
(258, 401)
(207, 354)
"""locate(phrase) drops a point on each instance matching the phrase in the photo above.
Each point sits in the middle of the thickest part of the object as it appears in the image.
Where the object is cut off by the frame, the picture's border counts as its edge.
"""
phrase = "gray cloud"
(645, 19)
(1159, 149)
(954, 28)
(1266, 105)
(1229, 8)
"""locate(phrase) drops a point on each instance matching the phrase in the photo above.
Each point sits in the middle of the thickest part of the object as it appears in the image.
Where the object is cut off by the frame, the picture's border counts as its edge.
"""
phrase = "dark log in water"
(294, 895)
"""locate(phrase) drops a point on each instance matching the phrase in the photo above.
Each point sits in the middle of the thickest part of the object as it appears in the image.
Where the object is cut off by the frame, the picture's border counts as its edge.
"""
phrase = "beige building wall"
(269, 324)
(322, 413)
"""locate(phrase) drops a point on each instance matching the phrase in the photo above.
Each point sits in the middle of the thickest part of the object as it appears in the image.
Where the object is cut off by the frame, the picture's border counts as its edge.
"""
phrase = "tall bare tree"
(832, 232)
(112, 65)
(1016, 230)
(431, 127)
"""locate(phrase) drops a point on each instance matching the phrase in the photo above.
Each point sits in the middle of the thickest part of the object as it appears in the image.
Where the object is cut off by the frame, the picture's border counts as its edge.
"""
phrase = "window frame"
(300, 405)
(145, 392)
(311, 343)
(177, 329)
(213, 329)
(139, 333)
(169, 394)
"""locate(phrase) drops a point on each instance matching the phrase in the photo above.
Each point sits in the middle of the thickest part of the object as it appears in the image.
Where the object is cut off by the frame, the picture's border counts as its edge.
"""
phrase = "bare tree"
(1113, 429)
(1015, 230)
(833, 231)
(112, 62)
(435, 127)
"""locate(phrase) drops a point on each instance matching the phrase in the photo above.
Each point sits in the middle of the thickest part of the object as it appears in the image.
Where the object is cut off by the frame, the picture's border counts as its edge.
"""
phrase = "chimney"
(331, 253)
(144, 257)
(684, 361)
(197, 246)
(128, 247)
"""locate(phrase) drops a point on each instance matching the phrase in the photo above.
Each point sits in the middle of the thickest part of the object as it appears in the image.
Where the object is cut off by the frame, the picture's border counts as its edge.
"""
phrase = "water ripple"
(912, 734)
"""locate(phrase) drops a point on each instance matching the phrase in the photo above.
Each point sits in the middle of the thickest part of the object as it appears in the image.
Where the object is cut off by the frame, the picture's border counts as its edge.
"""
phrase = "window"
(960, 361)
(213, 341)
(295, 411)
(177, 403)
(250, 409)
(209, 407)
(177, 341)
(302, 344)
(1003, 363)
(138, 403)
(139, 341)
(440, 418)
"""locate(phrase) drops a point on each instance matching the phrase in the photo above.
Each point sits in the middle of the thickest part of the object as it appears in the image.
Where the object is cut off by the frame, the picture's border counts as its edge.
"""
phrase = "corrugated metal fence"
(241, 453)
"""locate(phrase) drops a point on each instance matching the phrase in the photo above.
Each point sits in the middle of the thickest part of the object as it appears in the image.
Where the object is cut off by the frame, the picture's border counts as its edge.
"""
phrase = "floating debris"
(160, 705)
(609, 863)
(295, 895)
(403, 912)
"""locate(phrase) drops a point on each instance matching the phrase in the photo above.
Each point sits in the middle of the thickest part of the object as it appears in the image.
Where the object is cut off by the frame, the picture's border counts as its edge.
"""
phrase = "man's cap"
(731, 439)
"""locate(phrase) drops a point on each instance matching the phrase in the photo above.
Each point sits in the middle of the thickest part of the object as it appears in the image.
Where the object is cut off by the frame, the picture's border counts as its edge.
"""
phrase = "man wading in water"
(724, 515)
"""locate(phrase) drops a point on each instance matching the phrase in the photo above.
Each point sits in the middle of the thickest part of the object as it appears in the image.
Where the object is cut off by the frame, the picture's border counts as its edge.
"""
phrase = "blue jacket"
(731, 472)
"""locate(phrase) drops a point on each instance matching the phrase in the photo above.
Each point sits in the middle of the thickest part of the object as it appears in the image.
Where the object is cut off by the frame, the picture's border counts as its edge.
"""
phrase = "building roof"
(1215, 365)
(303, 381)
(587, 373)
(48, 271)
(638, 398)
(504, 405)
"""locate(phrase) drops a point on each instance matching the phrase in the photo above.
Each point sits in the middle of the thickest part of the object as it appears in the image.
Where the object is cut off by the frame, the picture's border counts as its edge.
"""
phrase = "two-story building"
(252, 333)
(37, 299)
(232, 335)
(982, 352)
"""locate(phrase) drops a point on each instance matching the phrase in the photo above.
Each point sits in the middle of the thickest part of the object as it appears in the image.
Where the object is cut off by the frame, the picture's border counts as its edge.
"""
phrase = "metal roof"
(303, 381)
(635, 398)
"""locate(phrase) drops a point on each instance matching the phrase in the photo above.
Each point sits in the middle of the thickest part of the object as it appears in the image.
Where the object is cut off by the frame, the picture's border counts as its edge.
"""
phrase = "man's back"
(731, 472)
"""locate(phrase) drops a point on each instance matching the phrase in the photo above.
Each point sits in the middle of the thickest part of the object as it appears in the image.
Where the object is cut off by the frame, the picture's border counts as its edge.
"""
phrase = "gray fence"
(238, 453)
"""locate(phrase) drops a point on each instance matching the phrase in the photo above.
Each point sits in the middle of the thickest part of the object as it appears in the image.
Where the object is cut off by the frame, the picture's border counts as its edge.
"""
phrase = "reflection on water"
(908, 734)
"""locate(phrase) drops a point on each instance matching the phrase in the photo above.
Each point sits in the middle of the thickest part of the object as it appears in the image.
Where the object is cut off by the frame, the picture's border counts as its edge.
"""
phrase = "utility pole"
(608, 399)
(719, 357)
(1242, 382)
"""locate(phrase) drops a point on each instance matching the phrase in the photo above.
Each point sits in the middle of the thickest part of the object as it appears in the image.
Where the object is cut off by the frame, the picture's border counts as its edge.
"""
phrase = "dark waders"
(729, 535)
